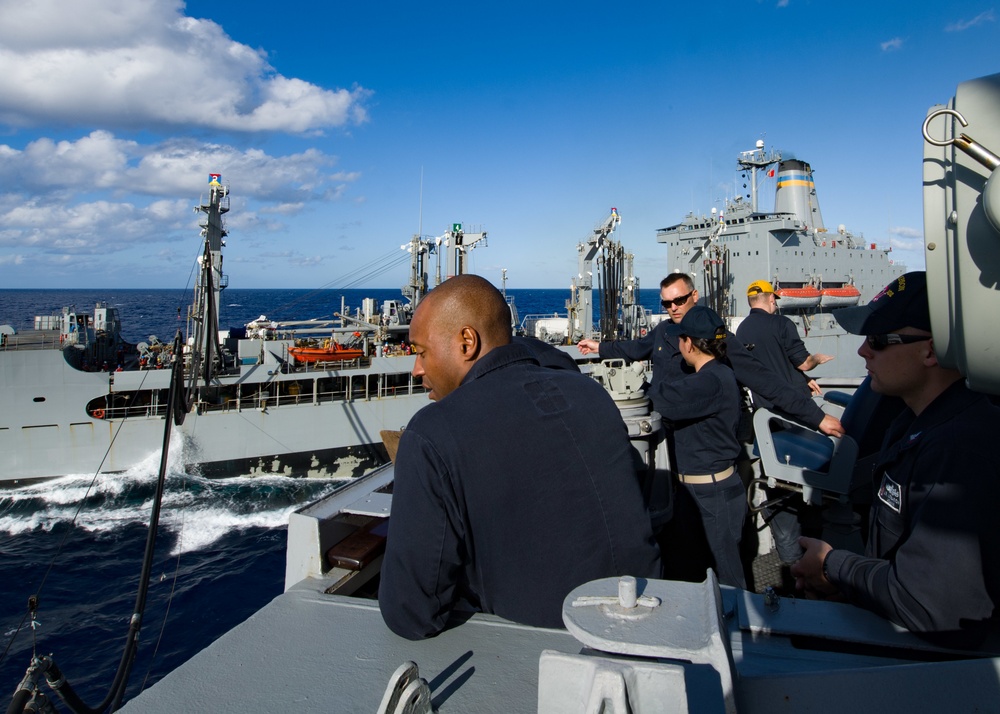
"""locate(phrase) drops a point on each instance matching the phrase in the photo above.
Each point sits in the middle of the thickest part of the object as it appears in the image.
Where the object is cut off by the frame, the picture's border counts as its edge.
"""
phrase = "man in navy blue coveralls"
(774, 340)
(514, 487)
(932, 561)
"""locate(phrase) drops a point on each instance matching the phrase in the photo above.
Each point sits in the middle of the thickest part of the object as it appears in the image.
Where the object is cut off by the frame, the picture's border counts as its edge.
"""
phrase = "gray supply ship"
(813, 270)
(304, 398)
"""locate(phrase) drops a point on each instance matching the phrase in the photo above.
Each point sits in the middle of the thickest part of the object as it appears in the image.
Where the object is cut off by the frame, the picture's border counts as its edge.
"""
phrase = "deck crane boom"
(581, 304)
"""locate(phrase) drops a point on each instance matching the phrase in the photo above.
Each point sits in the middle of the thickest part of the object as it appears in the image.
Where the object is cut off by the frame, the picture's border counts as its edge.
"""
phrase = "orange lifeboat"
(807, 296)
(840, 297)
(331, 351)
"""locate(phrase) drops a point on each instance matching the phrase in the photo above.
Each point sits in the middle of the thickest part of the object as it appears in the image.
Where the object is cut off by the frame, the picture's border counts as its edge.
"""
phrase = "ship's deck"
(31, 340)
(307, 651)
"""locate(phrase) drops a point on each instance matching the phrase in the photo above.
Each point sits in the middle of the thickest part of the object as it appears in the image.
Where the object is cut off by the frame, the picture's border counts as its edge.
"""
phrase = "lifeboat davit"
(332, 352)
(807, 296)
(845, 296)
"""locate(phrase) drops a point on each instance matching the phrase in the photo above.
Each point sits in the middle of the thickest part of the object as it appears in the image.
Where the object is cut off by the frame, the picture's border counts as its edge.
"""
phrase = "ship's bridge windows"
(37, 400)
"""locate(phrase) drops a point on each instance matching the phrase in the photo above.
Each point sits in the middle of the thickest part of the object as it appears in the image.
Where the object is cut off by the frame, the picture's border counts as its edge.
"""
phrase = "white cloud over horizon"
(136, 63)
(905, 238)
(91, 72)
(52, 180)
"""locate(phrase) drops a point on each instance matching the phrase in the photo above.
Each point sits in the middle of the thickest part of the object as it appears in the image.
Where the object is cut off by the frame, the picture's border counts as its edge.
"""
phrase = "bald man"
(515, 486)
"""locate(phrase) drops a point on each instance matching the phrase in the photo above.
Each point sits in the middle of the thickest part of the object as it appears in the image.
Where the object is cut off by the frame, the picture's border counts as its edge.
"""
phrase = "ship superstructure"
(813, 269)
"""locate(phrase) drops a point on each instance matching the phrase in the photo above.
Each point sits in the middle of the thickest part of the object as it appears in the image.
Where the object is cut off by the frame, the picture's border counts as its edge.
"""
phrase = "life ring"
(642, 332)
(97, 413)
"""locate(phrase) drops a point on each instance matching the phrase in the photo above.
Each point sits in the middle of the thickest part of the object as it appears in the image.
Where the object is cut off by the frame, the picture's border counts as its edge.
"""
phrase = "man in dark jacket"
(774, 340)
(932, 561)
(514, 487)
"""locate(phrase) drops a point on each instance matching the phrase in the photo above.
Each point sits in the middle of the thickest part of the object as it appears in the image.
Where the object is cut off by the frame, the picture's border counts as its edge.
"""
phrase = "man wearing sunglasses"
(678, 295)
(932, 560)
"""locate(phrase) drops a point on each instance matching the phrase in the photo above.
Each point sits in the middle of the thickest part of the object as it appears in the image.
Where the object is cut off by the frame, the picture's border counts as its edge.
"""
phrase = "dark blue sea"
(78, 542)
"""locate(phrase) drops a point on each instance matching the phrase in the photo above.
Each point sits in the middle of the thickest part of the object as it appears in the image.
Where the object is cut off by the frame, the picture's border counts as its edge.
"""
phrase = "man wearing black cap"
(932, 561)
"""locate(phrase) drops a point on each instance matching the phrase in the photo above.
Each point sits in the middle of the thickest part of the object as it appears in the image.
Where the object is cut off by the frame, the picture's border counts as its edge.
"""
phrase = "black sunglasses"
(880, 342)
(677, 302)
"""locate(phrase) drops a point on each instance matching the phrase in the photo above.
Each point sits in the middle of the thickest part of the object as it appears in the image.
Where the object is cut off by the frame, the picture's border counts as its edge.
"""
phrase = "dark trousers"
(705, 532)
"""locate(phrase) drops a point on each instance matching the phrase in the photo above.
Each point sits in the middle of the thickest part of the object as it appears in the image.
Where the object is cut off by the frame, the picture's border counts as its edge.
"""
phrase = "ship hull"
(47, 431)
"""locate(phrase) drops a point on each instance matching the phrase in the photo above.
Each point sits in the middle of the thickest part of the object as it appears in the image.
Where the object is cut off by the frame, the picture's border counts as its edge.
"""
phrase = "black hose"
(57, 682)
(19, 701)
(154, 521)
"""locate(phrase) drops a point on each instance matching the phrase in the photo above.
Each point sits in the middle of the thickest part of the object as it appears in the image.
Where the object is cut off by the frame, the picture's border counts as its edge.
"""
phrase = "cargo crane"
(621, 315)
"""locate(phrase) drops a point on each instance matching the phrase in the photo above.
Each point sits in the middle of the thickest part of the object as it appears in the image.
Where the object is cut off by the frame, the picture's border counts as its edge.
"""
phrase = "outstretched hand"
(587, 347)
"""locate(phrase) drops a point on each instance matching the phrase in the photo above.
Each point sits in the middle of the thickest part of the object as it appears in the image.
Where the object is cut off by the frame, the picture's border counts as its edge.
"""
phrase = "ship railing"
(134, 411)
(342, 390)
(267, 399)
(31, 340)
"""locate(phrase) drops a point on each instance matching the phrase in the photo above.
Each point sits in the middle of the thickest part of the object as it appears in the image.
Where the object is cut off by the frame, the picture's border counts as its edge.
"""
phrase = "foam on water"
(196, 510)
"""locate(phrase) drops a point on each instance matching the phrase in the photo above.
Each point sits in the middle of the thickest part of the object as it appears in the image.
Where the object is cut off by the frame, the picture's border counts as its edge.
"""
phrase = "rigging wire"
(374, 268)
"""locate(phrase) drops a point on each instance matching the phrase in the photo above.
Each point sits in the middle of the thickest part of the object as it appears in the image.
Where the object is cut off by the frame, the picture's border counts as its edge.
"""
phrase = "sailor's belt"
(705, 478)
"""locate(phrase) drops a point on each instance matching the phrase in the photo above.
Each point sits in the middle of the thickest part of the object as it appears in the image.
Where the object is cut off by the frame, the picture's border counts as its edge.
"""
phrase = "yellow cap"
(759, 286)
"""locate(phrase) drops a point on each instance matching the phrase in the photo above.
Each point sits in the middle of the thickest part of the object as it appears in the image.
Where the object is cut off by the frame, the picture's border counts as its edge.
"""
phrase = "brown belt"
(705, 478)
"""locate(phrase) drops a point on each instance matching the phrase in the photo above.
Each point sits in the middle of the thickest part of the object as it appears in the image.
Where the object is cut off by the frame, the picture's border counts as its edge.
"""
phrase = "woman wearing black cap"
(704, 410)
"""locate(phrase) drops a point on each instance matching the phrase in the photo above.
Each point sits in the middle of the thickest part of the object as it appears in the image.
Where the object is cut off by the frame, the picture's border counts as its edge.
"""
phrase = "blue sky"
(527, 120)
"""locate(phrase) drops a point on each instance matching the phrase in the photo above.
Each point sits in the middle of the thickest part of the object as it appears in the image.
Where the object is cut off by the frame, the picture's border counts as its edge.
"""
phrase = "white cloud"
(174, 167)
(286, 209)
(960, 25)
(146, 191)
(891, 45)
(98, 227)
(913, 244)
(142, 63)
(92, 71)
(906, 232)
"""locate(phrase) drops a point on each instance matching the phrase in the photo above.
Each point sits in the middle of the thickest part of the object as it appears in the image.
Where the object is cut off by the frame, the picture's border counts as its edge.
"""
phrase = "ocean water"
(78, 542)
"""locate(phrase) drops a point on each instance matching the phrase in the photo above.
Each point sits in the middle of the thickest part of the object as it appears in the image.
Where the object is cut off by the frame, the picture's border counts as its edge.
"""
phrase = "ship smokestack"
(797, 194)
